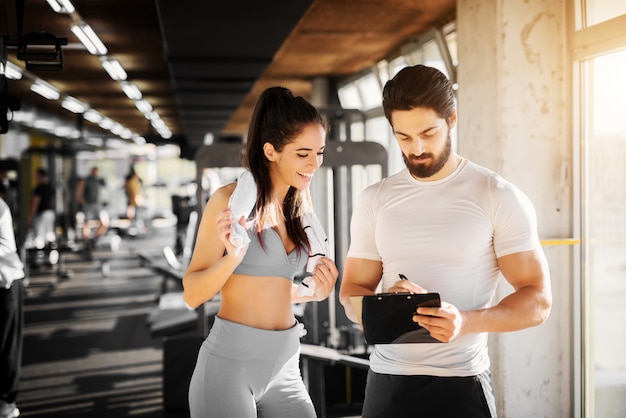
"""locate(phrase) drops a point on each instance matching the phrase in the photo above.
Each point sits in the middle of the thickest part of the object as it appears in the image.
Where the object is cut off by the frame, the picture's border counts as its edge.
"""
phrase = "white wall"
(513, 118)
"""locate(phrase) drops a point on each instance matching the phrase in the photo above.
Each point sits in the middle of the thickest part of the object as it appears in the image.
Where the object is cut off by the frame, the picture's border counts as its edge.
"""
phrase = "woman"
(249, 364)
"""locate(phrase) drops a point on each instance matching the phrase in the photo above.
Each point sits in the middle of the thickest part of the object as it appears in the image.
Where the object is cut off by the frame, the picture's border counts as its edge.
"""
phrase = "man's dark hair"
(419, 86)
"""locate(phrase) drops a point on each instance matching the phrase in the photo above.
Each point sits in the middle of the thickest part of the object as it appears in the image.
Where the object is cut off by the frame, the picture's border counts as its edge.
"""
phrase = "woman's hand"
(223, 224)
(325, 276)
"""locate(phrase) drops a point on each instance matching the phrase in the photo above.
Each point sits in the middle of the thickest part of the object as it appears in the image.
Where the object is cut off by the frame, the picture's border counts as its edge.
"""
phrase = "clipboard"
(387, 318)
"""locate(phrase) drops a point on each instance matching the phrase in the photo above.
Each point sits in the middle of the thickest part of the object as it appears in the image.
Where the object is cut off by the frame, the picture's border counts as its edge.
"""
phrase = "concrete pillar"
(513, 118)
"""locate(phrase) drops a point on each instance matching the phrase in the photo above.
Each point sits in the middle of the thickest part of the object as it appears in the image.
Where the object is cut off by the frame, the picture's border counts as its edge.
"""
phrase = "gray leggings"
(245, 372)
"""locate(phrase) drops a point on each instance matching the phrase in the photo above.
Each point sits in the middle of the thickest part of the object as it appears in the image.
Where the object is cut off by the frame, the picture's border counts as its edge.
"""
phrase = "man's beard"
(425, 170)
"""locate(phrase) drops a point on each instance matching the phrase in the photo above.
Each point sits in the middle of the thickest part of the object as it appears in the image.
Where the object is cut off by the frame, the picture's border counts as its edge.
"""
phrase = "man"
(452, 227)
(88, 195)
(42, 216)
(11, 313)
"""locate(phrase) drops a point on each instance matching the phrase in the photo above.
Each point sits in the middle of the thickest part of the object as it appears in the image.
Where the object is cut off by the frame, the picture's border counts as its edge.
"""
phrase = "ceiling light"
(114, 68)
(95, 141)
(89, 38)
(143, 106)
(132, 91)
(158, 123)
(73, 105)
(93, 116)
(106, 123)
(44, 124)
(117, 128)
(165, 133)
(46, 90)
(25, 117)
(12, 71)
(126, 133)
(152, 115)
(61, 6)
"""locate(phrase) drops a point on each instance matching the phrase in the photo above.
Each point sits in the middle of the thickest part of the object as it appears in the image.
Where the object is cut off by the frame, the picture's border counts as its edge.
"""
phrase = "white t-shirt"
(445, 236)
(11, 266)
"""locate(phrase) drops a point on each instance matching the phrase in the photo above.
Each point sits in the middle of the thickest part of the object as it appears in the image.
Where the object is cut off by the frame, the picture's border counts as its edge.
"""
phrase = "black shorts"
(400, 396)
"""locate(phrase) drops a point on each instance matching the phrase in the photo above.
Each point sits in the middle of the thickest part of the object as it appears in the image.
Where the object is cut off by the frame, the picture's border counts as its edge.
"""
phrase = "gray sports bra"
(271, 259)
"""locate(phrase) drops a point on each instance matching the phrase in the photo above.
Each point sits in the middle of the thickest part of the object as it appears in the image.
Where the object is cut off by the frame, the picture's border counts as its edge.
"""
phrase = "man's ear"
(269, 151)
(452, 119)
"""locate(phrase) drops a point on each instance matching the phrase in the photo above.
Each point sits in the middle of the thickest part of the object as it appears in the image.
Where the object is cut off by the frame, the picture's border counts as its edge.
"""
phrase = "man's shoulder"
(486, 175)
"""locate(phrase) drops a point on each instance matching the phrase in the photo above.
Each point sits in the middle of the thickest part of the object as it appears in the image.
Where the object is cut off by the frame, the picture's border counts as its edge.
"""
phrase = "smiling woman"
(256, 276)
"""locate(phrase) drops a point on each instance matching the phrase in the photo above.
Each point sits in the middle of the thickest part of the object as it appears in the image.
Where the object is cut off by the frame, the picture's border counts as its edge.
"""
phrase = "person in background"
(249, 364)
(449, 226)
(89, 198)
(11, 313)
(42, 217)
(133, 186)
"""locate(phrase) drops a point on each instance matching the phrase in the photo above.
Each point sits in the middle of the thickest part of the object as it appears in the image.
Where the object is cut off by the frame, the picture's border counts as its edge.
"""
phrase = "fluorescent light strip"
(61, 6)
(106, 123)
(165, 133)
(117, 128)
(93, 116)
(46, 90)
(114, 69)
(89, 38)
(12, 71)
(94, 45)
(126, 133)
(132, 91)
(73, 105)
(67, 5)
(143, 106)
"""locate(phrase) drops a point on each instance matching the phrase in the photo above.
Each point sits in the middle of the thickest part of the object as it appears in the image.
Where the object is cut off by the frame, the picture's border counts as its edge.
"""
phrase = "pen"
(402, 276)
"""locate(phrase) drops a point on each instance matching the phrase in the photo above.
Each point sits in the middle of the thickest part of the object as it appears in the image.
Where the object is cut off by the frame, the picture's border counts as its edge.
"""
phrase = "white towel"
(241, 204)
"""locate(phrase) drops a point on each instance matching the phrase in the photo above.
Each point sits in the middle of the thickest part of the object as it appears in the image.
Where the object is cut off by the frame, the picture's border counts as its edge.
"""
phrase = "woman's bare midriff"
(259, 302)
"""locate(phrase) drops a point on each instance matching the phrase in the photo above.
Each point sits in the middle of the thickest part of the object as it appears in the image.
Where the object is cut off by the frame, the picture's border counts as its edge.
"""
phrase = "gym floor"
(88, 351)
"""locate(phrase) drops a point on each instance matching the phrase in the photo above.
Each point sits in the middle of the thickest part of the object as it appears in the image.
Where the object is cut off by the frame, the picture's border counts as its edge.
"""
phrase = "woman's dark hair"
(278, 118)
(419, 86)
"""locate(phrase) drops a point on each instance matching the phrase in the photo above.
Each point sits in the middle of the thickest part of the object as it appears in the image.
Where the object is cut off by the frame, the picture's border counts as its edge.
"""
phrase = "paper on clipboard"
(387, 318)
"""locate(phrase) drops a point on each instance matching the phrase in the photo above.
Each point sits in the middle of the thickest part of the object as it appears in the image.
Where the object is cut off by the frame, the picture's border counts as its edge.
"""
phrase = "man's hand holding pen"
(443, 323)
(405, 285)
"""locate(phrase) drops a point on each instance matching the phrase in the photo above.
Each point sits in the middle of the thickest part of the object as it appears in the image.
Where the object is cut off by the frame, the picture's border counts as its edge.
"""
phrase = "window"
(598, 11)
(604, 232)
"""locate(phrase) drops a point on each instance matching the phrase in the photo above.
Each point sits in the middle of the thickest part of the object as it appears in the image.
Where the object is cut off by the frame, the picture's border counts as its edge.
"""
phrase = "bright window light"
(349, 97)
(370, 90)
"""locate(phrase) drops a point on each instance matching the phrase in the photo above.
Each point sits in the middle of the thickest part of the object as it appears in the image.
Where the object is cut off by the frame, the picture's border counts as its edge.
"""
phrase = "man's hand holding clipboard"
(387, 318)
